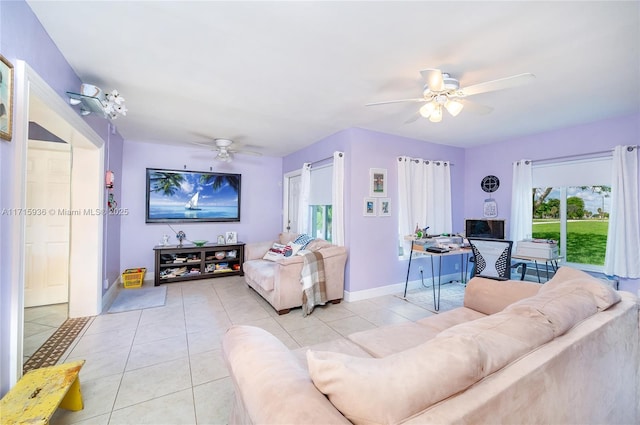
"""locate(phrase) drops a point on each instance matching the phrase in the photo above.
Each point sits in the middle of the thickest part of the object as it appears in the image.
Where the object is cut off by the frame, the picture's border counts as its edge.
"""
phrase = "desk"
(420, 249)
(547, 261)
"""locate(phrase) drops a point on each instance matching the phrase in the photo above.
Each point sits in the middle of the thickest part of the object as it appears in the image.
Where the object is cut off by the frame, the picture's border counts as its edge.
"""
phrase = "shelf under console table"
(176, 263)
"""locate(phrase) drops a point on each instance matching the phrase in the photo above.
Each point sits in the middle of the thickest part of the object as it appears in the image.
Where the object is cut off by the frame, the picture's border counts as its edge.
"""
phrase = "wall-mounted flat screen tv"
(192, 196)
(483, 228)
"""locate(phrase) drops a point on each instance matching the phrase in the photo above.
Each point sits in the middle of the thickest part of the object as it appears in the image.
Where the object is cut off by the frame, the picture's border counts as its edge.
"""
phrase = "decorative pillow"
(391, 389)
(567, 277)
(276, 252)
(303, 240)
(291, 249)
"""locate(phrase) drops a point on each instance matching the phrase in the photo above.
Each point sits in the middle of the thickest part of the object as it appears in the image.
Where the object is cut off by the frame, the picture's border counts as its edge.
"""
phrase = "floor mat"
(54, 347)
(138, 299)
(451, 296)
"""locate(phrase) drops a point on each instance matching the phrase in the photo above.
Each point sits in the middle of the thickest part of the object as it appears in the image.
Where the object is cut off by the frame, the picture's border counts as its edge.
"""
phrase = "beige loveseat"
(278, 281)
(565, 352)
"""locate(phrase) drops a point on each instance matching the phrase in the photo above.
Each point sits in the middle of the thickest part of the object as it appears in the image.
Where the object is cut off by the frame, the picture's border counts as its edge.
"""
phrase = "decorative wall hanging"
(378, 182)
(490, 184)
(6, 98)
(369, 207)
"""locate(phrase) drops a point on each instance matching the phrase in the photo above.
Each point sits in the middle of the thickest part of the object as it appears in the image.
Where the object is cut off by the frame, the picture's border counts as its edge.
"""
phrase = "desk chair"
(492, 258)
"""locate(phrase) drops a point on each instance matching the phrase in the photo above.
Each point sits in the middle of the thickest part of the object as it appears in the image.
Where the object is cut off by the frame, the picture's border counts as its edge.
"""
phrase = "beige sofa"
(565, 352)
(278, 282)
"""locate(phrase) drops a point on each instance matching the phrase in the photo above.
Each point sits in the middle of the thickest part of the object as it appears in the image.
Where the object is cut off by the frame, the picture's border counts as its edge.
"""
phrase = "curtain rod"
(580, 155)
(323, 159)
(426, 161)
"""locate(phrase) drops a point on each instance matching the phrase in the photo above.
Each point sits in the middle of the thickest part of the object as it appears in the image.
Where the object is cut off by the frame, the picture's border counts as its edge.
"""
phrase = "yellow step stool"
(38, 394)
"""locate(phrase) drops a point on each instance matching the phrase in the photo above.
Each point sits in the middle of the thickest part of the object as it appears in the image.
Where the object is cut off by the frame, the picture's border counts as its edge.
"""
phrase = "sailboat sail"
(193, 202)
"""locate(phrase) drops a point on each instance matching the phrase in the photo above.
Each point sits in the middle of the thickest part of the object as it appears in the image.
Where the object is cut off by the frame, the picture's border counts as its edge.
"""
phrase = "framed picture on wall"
(370, 207)
(378, 182)
(384, 207)
(6, 98)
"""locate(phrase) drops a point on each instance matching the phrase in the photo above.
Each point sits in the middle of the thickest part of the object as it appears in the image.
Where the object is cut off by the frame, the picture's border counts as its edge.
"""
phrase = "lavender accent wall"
(497, 159)
(23, 38)
(261, 199)
(373, 254)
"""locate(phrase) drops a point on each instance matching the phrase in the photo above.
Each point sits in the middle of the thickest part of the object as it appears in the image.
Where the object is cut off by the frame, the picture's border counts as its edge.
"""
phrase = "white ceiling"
(279, 76)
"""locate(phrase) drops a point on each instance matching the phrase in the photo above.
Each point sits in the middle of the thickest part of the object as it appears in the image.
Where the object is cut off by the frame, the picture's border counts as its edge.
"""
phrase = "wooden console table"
(189, 262)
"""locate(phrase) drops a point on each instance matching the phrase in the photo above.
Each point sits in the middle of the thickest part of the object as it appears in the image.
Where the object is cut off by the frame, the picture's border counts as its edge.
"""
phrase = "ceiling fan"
(442, 91)
(225, 151)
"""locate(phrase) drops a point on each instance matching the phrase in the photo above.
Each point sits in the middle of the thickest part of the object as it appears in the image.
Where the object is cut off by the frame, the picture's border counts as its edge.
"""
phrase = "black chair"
(492, 258)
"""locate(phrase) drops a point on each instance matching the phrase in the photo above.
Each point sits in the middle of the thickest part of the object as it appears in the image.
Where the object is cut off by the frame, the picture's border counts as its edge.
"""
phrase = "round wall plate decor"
(490, 184)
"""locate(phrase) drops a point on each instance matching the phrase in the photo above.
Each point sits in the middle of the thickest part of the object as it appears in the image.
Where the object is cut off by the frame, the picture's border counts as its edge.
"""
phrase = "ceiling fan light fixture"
(427, 109)
(436, 115)
(454, 107)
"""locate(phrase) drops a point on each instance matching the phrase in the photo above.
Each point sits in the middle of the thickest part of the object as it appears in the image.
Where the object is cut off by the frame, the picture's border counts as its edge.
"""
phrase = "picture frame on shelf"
(384, 207)
(231, 238)
(370, 207)
(378, 182)
(6, 98)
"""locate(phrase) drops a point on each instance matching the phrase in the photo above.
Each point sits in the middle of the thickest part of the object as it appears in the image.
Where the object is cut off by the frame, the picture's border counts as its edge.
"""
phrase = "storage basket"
(132, 278)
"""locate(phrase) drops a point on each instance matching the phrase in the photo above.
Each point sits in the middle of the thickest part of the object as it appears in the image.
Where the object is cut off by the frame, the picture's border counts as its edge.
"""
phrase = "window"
(571, 204)
(320, 202)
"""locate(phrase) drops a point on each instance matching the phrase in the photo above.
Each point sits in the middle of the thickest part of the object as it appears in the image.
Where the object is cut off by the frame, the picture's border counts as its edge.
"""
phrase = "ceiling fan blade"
(243, 152)
(213, 148)
(415, 99)
(433, 78)
(500, 84)
(476, 108)
(413, 118)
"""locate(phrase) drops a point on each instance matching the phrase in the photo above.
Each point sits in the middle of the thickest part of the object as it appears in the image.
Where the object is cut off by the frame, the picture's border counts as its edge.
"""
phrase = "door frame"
(86, 252)
(285, 198)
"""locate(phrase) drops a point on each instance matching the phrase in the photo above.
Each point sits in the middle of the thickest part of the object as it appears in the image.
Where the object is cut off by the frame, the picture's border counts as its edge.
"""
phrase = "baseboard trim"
(396, 288)
(110, 295)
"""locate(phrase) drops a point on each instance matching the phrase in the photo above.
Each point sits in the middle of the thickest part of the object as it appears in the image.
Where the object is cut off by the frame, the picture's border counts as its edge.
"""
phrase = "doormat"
(451, 296)
(137, 299)
(54, 347)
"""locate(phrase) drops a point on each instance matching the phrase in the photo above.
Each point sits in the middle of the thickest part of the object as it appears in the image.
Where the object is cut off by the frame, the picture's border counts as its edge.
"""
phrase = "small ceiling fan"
(441, 90)
(225, 151)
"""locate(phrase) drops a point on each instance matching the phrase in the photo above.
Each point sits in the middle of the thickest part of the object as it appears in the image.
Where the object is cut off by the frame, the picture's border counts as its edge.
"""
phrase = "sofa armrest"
(256, 250)
(271, 386)
(490, 296)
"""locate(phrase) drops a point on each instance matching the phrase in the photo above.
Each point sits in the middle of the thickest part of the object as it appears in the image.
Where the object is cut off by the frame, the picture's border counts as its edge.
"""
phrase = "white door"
(47, 223)
(292, 201)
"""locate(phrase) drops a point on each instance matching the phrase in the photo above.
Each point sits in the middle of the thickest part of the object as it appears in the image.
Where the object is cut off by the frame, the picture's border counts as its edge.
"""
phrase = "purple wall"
(23, 38)
(497, 159)
(261, 199)
(373, 254)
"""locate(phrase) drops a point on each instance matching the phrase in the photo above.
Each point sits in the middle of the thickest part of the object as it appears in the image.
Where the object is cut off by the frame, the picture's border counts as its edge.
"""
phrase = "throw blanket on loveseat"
(313, 283)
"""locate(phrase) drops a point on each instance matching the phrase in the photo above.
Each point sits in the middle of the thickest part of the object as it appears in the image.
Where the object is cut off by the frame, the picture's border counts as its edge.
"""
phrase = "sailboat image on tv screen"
(193, 203)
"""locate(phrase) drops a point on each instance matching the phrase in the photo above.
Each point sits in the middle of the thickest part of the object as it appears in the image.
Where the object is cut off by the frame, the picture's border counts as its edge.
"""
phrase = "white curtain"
(622, 257)
(303, 206)
(521, 226)
(424, 197)
(337, 200)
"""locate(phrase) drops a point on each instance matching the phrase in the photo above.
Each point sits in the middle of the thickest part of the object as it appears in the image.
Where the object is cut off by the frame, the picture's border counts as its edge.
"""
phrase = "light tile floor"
(164, 365)
(39, 324)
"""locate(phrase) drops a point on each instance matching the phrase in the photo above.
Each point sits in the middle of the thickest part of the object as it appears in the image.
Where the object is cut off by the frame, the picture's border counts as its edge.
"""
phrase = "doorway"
(86, 231)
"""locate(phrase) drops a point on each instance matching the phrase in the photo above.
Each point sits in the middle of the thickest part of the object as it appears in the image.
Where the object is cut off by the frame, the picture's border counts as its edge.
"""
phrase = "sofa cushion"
(386, 340)
(261, 272)
(504, 337)
(604, 295)
(490, 296)
(563, 307)
(286, 237)
(258, 362)
(393, 388)
(447, 319)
